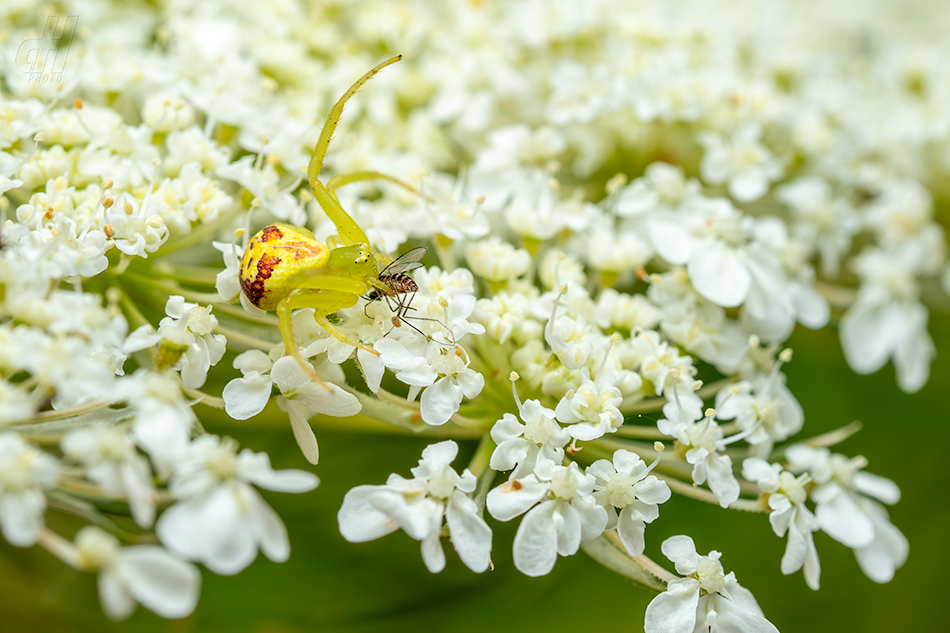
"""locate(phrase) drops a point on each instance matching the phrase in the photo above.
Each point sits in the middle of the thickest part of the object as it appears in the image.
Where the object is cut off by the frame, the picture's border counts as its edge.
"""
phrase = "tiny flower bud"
(616, 182)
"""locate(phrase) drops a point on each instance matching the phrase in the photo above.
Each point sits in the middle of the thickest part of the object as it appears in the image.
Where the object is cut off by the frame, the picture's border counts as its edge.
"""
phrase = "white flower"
(663, 187)
(146, 574)
(418, 506)
(703, 443)
(888, 320)
(591, 409)
(765, 407)
(138, 227)
(567, 514)
(786, 496)
(847, 512)
(712, 239)
(187, 332)
(497, 260)
(705, 599)
(163, 419)
(625, 484)
(24, 472)
(112, 462)
(521, 446)
(443, 371)
(826, 220)
(742, 161)
(300, 396)
(662, 365)
(220, 519)
(263, 183)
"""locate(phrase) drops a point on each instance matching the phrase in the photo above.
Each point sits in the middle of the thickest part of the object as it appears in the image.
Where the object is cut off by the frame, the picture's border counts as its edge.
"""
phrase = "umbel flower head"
(624, 210)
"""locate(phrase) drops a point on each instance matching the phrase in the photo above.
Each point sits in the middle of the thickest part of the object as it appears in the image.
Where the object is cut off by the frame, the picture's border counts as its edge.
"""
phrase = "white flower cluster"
(630, 211)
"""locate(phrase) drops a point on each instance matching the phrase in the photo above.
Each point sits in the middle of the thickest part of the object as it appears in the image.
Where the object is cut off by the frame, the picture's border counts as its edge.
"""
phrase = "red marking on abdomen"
(254, 289)
(271, 233)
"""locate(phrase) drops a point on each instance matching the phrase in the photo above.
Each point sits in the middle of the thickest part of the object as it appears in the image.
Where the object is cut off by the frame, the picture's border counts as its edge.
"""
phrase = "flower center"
(537, 429)
(709, 574)
(620, 490)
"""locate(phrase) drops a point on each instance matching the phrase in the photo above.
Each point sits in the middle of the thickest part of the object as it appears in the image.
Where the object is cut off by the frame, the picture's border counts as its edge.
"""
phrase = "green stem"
(479, 467)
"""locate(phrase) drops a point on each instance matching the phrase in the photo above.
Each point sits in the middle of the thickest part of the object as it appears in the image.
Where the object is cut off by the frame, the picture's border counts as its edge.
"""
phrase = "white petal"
(733, 617)
(535, 545)
(471, 536)
(256, 468)
(246, 397)
(630, 532)
(303, 433)
(268, 529)
(373, 368)
(670, 238)
(718, 274)
(843, 520)
(359, 520)
(722, 481)
(682, 551)
(253, 360)
(440, 401)
(432, 554)
(440, 453)
(159, 581)
(336, 402)
(288, 375)
(115, 598)
(867, 336)
(887, 552)
(568, 525)
(880, 488)
(21, 516)
(674, 610)
(515, 497)
(471, 383)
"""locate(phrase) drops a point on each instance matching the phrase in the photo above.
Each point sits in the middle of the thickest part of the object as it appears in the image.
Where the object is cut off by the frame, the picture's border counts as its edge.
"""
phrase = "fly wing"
(405, 262)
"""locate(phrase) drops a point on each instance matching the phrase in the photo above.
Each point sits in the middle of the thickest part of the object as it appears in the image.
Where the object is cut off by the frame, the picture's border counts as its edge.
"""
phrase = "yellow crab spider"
(285, 268)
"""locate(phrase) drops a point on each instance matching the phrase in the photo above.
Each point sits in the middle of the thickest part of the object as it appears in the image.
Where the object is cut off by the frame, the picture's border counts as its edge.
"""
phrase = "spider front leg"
(325, 294)
(350, 231)
(363, 176)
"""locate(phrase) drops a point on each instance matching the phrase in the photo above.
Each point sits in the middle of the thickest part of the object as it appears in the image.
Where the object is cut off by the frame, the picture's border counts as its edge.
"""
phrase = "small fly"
(396, 285)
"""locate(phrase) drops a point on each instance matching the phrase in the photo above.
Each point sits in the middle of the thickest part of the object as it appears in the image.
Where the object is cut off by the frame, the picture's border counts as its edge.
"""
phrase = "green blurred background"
(329, 584)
